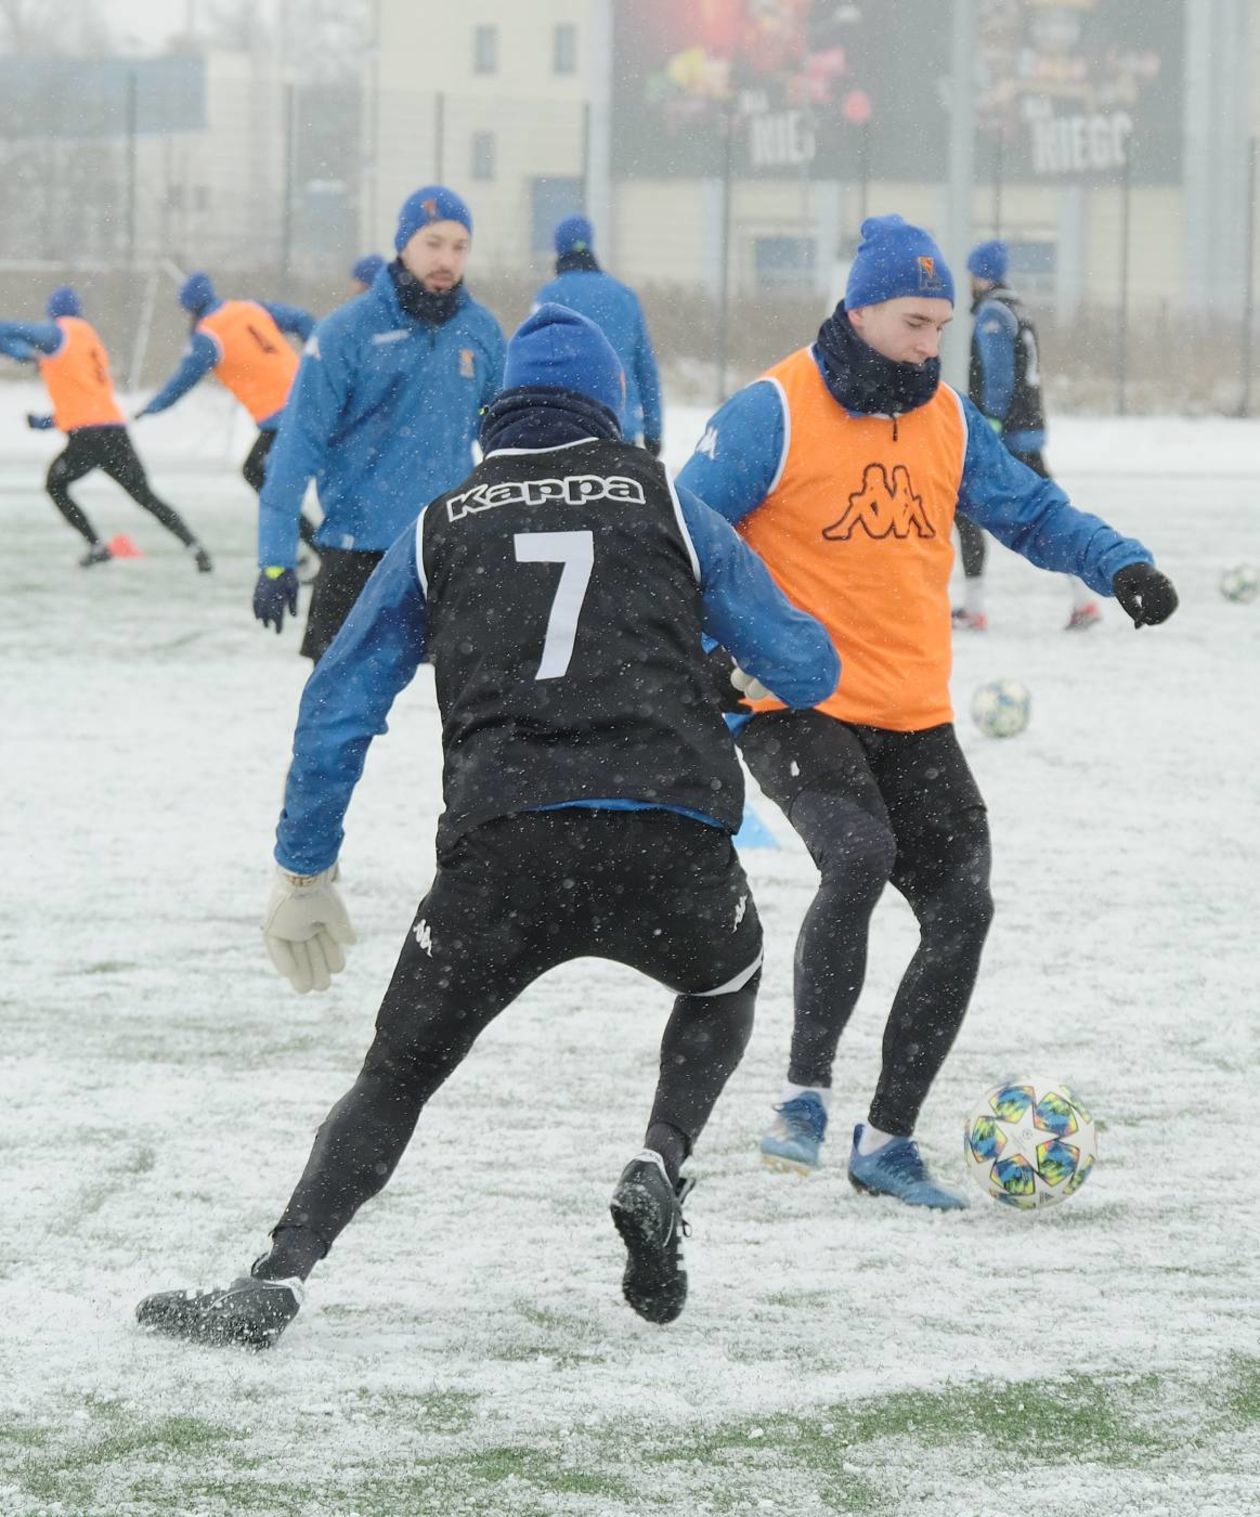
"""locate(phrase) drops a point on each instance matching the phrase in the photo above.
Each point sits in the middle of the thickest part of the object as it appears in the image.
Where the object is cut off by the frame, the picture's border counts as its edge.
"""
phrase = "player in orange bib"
(243, 343)
(843, 467)
(74, 366)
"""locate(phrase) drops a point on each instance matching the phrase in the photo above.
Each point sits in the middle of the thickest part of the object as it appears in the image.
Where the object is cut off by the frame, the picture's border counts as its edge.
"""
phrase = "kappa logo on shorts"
(423, 936)
(574, 490)
(882, 508)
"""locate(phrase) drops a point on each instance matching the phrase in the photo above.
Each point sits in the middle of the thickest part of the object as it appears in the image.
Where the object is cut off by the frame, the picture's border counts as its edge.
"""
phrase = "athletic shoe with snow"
(898, 1170)
(201, 558)
(647, 1212)
(249, 1313)
(795, 1136)
(98, 553)
(1083, 617)
(968, 621)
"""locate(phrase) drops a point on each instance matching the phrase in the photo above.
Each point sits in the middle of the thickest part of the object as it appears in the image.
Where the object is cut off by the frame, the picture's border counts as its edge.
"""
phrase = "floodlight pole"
(962, 153)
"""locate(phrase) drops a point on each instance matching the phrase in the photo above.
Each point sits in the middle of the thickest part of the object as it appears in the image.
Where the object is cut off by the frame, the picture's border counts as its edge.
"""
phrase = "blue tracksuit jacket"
(382, 415)
(615, 310)
(382, 643)
(203, 352)
(995, 338)
(740, 454)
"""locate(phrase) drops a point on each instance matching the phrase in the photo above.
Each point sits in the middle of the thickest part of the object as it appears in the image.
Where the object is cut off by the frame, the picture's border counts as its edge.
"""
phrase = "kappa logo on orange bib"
(882, 508)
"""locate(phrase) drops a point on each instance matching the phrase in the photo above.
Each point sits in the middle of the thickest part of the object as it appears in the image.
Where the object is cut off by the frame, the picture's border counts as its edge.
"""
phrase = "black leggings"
(656, 891)
(255, 471)
(873, 806)
(110, 449)
(971, 538)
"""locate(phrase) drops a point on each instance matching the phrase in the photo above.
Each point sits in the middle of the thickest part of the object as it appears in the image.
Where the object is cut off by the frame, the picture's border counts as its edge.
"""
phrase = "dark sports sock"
(295, 1251)
(672, 1145)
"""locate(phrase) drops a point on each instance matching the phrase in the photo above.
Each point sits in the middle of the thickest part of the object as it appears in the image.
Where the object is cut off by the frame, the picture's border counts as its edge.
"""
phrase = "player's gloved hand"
(749, 686)
(306, 929)
(1146, 594)
(653, 446)
(38, 423)
(276, 590)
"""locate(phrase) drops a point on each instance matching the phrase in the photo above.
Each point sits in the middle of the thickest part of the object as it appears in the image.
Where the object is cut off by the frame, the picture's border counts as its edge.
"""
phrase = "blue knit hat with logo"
(558, 348)
(366, 269)
(896, 259)
(64, 301)
(988, 260)
(196, 294)
(574, 234)
(430, 203)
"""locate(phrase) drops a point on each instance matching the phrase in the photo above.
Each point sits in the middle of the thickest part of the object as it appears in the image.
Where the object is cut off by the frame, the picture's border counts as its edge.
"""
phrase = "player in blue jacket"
(590, 787)
(1005, 383)
(584, 287)
(363, 272)
(383, 416)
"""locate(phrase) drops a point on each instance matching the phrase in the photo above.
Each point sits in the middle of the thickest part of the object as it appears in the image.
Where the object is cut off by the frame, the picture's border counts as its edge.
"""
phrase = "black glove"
(276, 589)
(1146, 594)
(720, 665)
(653, 446)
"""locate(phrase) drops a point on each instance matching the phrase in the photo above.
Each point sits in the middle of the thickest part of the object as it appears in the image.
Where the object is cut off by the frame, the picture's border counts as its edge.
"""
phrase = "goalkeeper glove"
(306, 929)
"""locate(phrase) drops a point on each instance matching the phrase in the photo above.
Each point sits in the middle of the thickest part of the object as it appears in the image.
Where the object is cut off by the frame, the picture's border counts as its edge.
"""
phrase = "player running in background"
(584, 287)
(1005, 384)
(843, 467)
(242, 342)
(74, 366)
(363, 272)
(383, 417)
(590, 785)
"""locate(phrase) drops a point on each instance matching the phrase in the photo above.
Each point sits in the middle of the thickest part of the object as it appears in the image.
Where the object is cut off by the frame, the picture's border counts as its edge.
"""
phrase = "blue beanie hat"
(562, 350)
(434, 202)
(574, 234)
(987, 260)
(895, 259)
(366, 269)
(196, 294)
(64, 301)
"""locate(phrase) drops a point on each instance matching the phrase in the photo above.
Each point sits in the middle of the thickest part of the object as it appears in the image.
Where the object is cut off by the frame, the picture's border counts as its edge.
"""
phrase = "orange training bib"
(256, 362)
(77, 377)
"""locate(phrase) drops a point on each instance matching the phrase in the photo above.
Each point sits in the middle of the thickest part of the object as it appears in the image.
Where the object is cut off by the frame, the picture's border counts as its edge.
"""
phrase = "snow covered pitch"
(465, 1349)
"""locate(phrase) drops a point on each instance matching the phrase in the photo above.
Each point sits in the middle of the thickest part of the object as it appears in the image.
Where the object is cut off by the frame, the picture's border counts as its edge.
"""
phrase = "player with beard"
(591, 789)
(383, 416)
(844, 467)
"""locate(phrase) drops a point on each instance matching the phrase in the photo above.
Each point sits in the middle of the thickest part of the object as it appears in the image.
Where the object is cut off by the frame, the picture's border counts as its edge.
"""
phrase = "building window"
(564, 49)
(483, 155)
(485, 49)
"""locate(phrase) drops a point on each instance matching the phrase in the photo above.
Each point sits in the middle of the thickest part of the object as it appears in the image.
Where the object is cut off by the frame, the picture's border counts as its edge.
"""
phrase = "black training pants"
(255, 471)
(108, 448)
(971, 538)
(343, 574)
(512, 899)
(873, 806)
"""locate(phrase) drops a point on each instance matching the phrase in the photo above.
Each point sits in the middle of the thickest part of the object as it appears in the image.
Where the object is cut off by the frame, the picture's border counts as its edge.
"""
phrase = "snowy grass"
(465, 1349)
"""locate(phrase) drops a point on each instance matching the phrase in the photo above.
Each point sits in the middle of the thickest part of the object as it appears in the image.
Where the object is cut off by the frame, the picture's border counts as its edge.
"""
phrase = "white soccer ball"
(1029, 1142)
(1241, 583)
(1001, 708)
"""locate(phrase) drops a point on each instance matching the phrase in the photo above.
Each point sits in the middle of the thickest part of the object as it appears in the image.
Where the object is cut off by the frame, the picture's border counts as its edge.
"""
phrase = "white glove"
(748, 685)
(305, 929)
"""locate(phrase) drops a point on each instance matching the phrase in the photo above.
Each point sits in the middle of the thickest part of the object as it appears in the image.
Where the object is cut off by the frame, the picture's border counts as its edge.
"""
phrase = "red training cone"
(123, 547)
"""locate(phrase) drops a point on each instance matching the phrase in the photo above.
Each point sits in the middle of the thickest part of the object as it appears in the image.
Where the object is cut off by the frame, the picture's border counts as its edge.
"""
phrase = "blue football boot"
(796, 1135)
(898, 1170)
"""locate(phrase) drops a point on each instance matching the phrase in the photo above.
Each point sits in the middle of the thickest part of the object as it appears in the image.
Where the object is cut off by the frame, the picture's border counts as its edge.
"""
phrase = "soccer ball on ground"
(1001, 708)
(1029, 1142)
(1241, 583)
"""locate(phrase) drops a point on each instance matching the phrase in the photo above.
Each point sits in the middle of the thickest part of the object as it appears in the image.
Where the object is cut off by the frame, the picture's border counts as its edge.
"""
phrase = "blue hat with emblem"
(560, 350)
(64, 301)
(574, 234)
(430, 203)
(895, 259)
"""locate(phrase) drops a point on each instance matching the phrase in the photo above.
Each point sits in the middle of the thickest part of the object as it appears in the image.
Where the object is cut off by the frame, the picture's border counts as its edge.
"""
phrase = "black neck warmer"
(864, 381)
(422, 304)
(579, 258)
(540, 416)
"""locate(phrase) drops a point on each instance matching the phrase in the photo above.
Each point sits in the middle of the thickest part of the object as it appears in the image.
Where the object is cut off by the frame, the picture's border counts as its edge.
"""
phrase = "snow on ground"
(465, 1348)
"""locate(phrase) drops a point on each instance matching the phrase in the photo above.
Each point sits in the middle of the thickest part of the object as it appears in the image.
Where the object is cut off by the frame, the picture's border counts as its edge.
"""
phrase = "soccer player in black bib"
(591, 788)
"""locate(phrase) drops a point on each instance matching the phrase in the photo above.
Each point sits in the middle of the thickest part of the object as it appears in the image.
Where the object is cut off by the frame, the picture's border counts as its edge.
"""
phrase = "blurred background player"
(383, 417)
(584, 287)
(363, 272)
(1005, 383)
(74, 366)
(242, 342)
(843, 467)
(623, 807)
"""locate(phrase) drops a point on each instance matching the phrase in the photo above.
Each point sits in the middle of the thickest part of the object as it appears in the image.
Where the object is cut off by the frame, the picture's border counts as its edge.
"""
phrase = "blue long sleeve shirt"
(615, 310)
(383, 416)
(41, 336)
(741, 453)
(382, 643)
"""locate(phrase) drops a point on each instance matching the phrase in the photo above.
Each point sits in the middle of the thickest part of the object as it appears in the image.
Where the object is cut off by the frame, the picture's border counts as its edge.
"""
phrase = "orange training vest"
(257, 364)
(77, 376)
(857, 531)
